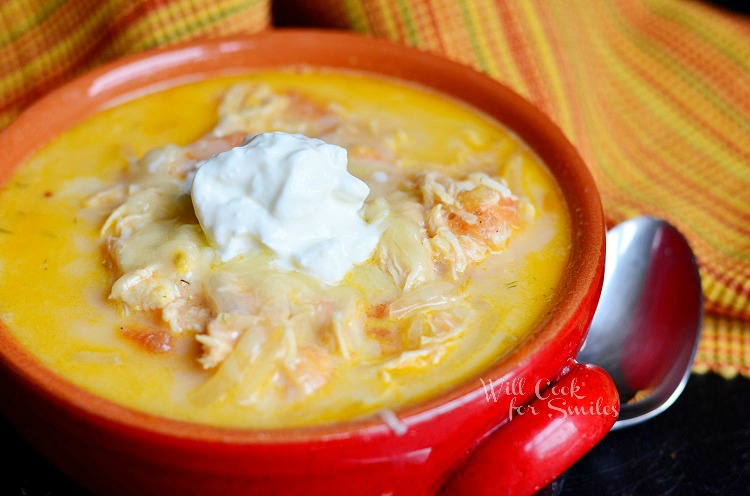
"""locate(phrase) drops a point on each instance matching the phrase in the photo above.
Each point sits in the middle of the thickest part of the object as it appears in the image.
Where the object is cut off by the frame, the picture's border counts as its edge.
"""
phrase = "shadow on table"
(699, 446)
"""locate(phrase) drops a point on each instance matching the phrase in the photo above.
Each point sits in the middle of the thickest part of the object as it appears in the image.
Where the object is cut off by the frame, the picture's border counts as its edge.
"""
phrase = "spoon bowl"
(647, 326)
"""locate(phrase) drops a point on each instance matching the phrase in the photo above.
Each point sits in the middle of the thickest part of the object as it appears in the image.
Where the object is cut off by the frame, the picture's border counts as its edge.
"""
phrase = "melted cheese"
(54, 288)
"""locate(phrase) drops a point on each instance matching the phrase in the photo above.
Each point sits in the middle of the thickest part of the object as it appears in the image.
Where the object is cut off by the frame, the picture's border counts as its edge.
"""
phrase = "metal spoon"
(646, 328)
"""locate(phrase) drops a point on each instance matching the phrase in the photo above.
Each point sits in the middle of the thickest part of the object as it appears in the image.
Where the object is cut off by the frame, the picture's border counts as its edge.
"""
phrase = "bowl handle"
(543, 439)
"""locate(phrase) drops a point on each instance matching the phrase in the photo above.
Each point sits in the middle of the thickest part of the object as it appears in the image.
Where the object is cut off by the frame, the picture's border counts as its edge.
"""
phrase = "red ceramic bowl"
(462, 442)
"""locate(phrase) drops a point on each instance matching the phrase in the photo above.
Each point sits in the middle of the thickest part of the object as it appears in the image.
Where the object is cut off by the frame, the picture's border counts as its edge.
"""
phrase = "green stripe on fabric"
(658, 53)
(403, 7)
(34, 17)
(472, 34)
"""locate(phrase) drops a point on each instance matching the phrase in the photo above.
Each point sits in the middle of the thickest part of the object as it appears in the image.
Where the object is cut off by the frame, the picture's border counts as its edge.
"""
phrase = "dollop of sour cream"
(291, 194)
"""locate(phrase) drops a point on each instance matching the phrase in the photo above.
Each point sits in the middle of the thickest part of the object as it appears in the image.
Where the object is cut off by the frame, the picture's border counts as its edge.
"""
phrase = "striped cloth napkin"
(654, 93)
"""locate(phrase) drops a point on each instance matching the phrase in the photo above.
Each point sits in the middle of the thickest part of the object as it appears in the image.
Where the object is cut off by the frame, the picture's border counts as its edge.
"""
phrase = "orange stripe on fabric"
(624, 90)
(72, 58)
(677, 130)
(684, 150)
(552, 74)
(130, 16)
(432, 19)
(694, 87)
(77, 36)
(678, 38)
(521, 54)
(483, 28)
(666, 212)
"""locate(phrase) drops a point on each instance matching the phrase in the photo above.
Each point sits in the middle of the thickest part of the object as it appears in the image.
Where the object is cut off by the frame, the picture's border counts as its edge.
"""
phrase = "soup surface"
(107, 276)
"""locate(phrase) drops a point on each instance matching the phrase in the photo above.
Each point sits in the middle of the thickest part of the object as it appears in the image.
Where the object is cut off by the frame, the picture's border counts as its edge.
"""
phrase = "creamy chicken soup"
(458, 238)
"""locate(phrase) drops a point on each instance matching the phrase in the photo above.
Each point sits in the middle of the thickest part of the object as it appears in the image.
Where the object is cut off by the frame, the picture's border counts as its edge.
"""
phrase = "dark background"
(287, 14)
(700, 446)
(740, 6)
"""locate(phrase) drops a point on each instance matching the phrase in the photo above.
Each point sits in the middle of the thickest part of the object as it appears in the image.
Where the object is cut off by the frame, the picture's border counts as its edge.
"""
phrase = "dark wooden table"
(699, 446)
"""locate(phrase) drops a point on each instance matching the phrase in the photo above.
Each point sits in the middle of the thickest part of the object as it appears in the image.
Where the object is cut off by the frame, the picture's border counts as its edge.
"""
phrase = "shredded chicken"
(403, 254)
(144, 289)
(221, 334)
(466, 220)
(268, 334)
(142, 207)
(455, 225)
(186, 315)
(438, 332)
(253, 109)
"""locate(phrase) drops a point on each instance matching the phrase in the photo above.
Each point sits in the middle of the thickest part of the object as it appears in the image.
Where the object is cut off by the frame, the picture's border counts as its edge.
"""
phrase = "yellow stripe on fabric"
(659, 114)
(688, 80)
(724, 348)
(481, 53)
(670, 204)
(23, 16)
(549, 67)
(355, 13)
(695, 20)
(581, 107)
(249, 21)
(607, 155)
(404, 8)
(165, 25)
(488, 45)
(160, 26)
(723, 298)
(454, 34)
(425, 27)
(6, 118)
(391, 31)
(659, 54)
(649, 144)
(53, 55)
(503, 64)
(712, 47)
